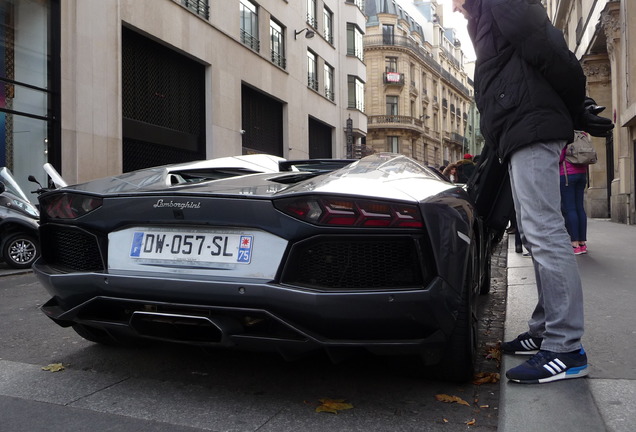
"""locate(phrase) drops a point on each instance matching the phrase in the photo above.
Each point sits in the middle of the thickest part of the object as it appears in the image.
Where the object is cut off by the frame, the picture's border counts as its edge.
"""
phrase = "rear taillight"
(68, 206)
(352, 212)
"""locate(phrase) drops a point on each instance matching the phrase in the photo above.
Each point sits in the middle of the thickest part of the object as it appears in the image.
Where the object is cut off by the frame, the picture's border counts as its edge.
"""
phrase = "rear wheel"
(458, 360)
(484, 286)
(20, 250)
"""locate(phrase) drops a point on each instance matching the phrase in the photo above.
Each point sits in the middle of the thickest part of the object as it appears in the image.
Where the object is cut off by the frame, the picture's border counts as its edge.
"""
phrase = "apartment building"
(419, 98)
(603, 38)
(100, 87)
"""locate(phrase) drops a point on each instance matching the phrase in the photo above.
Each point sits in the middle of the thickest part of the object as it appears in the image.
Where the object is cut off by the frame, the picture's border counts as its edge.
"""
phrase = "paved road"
(174, 388)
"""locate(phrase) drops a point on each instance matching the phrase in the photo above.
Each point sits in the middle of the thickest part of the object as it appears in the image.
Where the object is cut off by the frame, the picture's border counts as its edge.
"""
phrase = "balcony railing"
(312, 81)
(393, 78)
(279, 60)
(250, 41)
(457, 138)
(396, 121)
(451, 58)
(328, 36)
(457, 83)
(199, 7)
(403, 41)
(311, 20)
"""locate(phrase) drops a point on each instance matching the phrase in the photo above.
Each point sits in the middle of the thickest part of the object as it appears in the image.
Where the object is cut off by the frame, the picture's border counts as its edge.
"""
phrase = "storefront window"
(24, 88)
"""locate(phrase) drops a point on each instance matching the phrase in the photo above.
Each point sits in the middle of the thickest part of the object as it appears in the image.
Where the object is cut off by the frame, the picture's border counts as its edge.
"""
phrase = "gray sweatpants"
(558, 316)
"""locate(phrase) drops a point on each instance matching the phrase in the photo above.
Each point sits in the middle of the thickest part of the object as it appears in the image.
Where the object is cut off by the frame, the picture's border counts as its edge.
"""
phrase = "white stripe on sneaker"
(528, 344)
(555, 366)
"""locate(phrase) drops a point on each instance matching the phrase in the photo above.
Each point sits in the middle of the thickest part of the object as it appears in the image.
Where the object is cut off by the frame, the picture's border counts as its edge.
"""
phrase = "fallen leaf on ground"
(333, 405)
(486, 377)
(471, 422)
(54, 367)
(494, 353)
(451, 399)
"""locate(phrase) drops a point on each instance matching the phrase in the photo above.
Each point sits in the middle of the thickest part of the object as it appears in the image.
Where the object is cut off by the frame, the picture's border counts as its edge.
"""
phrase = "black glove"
(591, 123)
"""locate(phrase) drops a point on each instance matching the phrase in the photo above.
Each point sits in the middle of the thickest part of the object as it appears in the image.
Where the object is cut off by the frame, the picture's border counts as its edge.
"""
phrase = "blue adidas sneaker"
(523, 344)
(547, 366)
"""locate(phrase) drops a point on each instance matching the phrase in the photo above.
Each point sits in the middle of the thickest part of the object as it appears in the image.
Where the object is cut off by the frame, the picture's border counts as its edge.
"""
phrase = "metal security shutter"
(262, 121)
(319, 139)
(163, 104)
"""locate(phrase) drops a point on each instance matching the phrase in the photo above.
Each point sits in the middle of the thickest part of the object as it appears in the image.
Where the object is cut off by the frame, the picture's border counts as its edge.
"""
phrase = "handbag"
(581, 151)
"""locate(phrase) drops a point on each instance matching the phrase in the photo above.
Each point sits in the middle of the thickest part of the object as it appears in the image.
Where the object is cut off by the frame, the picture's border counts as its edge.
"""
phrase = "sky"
(458, 22)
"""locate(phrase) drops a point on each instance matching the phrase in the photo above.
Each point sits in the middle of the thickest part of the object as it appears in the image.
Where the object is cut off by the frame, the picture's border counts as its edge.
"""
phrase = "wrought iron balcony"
(393, 78)
(457, 138)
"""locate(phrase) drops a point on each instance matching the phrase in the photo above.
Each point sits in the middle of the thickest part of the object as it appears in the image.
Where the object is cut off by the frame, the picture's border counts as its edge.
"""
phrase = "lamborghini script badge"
(179, 205)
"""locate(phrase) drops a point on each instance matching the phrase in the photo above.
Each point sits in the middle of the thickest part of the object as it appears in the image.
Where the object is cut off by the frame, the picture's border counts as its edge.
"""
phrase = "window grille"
(199, 7)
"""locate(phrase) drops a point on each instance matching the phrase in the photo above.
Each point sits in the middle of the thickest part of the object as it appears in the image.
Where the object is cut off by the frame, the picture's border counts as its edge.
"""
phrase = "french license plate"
(209, 247)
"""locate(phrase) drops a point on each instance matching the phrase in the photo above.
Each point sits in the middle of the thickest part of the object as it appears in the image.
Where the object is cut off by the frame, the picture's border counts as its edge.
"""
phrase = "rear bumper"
(253, 314)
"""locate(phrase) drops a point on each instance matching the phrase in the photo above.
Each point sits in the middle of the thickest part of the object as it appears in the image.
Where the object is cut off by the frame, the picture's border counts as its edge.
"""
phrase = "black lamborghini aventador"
(380, 254)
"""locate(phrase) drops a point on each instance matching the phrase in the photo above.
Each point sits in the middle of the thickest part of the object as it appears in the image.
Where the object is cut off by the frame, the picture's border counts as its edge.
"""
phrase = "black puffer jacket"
(529, 86)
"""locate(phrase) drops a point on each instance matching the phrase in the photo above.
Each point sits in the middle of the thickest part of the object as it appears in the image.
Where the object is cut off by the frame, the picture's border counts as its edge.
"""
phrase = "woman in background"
(451, 172)
(573, 184)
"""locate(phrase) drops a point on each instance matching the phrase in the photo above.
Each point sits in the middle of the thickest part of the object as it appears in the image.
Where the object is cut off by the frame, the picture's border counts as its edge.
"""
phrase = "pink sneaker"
(578, 250)
(583, 249)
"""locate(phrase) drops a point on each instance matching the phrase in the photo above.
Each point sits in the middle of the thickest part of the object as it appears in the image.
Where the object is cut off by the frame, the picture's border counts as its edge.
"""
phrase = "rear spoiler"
(314, 165)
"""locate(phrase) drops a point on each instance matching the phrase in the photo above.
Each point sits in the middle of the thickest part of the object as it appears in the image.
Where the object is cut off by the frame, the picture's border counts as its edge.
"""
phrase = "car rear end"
(256, 267)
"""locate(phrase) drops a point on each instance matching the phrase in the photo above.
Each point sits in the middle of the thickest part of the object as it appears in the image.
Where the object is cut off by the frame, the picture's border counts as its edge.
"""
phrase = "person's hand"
(592, 123)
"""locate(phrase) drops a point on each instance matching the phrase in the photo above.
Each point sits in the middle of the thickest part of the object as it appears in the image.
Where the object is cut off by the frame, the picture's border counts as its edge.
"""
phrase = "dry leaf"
(494, 353)
(445, 420)
(451, 399)
(486, 377)
(333, 405)
(54, 367)
(471, 422)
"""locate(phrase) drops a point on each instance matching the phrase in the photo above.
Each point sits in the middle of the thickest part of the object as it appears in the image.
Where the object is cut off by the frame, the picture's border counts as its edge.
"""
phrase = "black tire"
(484, 286)
(458, 360)
(20, 250)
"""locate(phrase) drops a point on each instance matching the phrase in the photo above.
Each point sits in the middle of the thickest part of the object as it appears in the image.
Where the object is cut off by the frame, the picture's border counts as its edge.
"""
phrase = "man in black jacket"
(530, 92)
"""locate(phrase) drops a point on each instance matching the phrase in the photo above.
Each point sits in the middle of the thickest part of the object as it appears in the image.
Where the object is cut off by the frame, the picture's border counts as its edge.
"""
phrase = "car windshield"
(10, 184)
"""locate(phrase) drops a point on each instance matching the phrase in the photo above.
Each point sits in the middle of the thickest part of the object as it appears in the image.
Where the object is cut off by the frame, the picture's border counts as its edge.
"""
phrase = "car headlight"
(68, 206)
(351, 212)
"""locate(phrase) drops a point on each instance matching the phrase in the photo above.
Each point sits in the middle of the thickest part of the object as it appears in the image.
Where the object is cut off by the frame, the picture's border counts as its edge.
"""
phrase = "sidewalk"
(606, 399)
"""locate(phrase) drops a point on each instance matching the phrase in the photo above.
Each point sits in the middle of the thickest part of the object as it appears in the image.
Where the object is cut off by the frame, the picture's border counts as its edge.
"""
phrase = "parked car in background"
(19, 244)
(381, 254)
